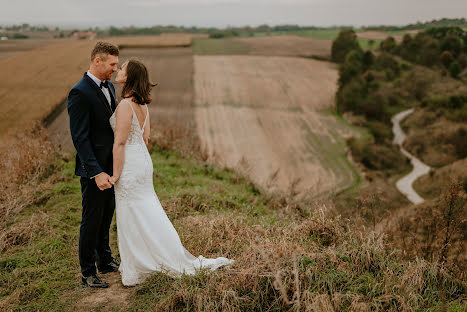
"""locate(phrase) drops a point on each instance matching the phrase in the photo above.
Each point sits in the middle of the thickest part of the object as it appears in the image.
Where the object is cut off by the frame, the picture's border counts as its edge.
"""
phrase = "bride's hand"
(113, 179)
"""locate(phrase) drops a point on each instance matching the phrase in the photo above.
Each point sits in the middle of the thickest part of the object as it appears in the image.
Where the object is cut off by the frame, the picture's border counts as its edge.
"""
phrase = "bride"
(147, 240)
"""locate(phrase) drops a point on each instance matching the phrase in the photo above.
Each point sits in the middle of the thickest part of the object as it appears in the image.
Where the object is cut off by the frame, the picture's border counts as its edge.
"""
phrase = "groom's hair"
(103, 49)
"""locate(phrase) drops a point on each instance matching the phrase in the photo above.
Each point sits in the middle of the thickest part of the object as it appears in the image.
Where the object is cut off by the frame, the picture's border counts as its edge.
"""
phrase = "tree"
(345, 42)
(454, 69)
(388, 45)
(446, 58)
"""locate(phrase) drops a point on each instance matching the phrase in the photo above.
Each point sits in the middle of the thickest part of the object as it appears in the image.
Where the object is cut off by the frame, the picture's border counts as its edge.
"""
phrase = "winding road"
(404, 185)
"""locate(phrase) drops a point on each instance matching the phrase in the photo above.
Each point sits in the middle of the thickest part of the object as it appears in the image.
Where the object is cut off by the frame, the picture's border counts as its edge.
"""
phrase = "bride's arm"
(147, 131)
(123, 116)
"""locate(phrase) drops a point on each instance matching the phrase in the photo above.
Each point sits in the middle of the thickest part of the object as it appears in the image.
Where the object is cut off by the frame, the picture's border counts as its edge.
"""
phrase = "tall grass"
(290, 256)
(26, 159)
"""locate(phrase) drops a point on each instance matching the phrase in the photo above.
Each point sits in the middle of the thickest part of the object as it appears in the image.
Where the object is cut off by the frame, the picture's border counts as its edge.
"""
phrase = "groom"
(91, 102)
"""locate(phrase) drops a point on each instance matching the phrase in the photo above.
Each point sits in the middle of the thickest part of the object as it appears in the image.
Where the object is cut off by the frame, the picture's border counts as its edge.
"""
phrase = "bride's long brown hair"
(137, 83)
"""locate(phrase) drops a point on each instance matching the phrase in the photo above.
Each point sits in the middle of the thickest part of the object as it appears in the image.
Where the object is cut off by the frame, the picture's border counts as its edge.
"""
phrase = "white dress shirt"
(106, 92)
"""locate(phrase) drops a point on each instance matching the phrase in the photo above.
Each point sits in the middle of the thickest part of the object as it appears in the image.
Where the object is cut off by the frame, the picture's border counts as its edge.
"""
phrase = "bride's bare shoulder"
(123, 109)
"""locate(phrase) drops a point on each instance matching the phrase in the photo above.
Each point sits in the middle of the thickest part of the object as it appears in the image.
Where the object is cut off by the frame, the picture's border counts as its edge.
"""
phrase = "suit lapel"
(99, 93)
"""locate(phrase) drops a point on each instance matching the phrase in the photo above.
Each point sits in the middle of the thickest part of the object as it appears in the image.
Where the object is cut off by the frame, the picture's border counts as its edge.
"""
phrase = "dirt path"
(404, 185)
(113, 298)
(263, 116)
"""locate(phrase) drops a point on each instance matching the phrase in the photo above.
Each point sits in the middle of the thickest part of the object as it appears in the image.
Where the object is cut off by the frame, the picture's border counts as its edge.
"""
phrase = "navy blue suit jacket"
(92, 135)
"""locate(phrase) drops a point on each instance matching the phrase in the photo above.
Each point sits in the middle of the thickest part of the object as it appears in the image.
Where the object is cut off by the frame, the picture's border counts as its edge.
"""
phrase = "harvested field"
(377, 35)
(160, 41)
(288, 45)
(15, 46)
(173, 70)
(261, 115)
(35, 82)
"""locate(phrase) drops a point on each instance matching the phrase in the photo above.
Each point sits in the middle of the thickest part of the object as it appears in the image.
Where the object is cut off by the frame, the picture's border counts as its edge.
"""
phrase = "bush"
(19, 36)
(377, 156)
(350, 95)
(416, 82)
(385, 62)
(345, 42)
(454, 69)
(388, 45)
(374, 108)
(381, 132)
(351, 68)
(446, 58)
(459, 140)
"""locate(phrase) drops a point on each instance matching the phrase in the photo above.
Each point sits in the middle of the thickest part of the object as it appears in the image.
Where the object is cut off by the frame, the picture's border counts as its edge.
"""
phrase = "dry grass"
(288, 45)
(433, 230)
(377, 35)
(9, 48)
(26, 159)
(296, 264)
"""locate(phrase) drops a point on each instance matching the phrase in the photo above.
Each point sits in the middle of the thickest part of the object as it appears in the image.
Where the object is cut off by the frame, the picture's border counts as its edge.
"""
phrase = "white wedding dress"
(147, 240)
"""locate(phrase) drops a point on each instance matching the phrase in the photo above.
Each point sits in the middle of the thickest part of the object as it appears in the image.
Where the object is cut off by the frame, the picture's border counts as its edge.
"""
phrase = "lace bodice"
(137, 167)
(136, 133)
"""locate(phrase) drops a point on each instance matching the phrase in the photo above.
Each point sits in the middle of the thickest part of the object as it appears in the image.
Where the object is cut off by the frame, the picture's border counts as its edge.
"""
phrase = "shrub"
(351, 68)
(388, 44)
(381, 132)
(345, 42)
(446, 58)
(377, 156)
(416, 82)
(385, 62)
(429, 52)
(350, 95)
(454, 69)
(459, 140)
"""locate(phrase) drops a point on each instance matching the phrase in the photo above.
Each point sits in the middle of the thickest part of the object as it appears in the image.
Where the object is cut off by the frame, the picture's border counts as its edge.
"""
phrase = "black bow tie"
(104, 84)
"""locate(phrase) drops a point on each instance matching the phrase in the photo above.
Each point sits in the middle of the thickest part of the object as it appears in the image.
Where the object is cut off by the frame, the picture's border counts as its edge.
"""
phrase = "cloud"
(156, 3)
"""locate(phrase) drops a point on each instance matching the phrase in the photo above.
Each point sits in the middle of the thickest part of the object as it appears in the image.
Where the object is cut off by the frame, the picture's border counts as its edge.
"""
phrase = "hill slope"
(290, 256)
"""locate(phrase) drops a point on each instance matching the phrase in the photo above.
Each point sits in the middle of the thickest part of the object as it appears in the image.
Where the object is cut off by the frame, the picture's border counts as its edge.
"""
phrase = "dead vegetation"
(433, 230)
(27, 158)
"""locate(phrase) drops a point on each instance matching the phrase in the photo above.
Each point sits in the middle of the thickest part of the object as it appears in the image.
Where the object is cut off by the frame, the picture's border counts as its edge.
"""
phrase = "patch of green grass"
(227, 46)
(43, 275)
(365, 43)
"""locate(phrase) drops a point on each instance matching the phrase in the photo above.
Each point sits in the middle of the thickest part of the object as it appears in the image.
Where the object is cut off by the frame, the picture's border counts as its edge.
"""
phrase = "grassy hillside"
(426, 72)
(290, 256)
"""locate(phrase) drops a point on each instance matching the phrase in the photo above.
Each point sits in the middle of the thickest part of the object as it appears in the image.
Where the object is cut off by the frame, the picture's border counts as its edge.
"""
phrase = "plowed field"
(264, 114)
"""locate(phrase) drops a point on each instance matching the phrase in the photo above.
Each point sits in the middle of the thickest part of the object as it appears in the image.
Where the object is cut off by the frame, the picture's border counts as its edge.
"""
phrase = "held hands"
(113, 179)
(103, 181)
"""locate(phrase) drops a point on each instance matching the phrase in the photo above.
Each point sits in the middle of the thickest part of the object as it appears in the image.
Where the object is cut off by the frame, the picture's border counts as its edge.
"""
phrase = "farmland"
(263, 115)
(259, 109)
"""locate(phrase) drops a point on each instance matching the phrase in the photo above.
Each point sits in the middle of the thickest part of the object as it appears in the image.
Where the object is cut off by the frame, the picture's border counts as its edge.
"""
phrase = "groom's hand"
(103, 181)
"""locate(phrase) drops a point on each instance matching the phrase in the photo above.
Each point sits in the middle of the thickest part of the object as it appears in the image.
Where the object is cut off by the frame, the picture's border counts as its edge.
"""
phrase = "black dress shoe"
(112, 266)
(94, 281)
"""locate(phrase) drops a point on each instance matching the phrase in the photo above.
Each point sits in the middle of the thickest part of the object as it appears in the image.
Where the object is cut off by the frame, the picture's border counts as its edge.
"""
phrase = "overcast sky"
(221, 13)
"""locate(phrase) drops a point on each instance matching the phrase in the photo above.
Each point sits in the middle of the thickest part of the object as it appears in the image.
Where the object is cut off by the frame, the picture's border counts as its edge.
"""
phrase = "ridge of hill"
(289, 255)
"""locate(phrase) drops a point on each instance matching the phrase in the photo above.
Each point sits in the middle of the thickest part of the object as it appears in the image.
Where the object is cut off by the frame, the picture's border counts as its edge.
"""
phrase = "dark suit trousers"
(98, 210)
